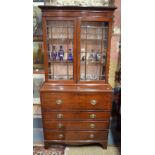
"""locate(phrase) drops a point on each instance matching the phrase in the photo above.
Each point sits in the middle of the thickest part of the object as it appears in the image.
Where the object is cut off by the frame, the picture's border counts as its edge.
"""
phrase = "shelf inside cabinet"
(95, 27)
(92, 39)
(92, 62)
(60, 77)
(58, 38)
(60, 61)
(91, 77)
(49, 40)
(52, 26)
(104, 52)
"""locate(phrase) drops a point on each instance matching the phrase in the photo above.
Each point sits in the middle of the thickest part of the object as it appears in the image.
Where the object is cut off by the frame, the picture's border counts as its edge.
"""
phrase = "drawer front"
(95, 101)
(56, 97)
(74, 135)
(76, 125)
(76, 115)
(83, 101)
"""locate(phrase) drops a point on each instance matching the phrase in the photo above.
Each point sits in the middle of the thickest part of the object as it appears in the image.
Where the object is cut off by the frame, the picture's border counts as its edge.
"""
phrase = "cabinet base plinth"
(61, 144)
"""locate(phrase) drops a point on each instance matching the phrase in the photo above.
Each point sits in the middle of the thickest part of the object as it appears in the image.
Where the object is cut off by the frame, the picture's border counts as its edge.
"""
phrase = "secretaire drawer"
(74, 135)
(76, 125)
(83, 101)
(76, 115)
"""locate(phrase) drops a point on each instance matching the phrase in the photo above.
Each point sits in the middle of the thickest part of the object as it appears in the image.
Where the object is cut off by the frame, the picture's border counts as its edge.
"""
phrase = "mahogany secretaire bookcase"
(76, 98)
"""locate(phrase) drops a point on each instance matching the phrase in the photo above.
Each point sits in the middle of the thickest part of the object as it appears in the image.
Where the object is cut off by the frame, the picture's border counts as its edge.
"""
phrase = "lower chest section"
(72, 117)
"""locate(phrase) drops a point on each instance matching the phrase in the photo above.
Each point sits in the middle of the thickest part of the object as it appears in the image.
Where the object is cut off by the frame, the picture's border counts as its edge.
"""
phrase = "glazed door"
(94, 44)
(60, 38)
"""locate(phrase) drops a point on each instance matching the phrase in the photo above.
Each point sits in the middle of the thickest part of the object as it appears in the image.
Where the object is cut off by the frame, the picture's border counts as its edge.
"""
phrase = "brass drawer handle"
(59, 101)
(93, 102)
(92, 125)
(60, 125)
(92, 116)
(59, 115)
(60, 136)
(91, 136)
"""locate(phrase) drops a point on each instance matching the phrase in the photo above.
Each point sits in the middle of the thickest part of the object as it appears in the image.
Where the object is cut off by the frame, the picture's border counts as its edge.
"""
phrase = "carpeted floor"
(83, 150)
(50, 151)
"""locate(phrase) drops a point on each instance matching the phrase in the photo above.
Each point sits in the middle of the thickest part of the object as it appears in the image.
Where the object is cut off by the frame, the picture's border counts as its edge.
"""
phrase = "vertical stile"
(86, 55)
(67, 52)
(100, 75)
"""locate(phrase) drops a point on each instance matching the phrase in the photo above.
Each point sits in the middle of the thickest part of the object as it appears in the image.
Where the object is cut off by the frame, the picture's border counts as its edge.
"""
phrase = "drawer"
(74, 135)
(76, 125)
(58, 98)
(80, 101)
(95, 101)
(70, 115)
(54, 101)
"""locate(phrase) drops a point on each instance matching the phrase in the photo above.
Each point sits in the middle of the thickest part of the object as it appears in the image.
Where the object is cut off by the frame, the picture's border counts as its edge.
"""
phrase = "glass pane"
(60, 49)
(94, 37)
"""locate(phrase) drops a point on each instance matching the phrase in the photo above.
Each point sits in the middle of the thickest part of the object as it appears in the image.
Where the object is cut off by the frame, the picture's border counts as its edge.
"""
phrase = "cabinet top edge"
(76, 88)
(79, 8)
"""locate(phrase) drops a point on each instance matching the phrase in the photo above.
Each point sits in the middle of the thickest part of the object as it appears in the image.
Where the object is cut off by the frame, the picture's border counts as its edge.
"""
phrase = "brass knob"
(60, 136)
(92, 116)
(60, 125)
(59, 101)
(93, 102)
(91, 136)
(59, 115)
(92, 125)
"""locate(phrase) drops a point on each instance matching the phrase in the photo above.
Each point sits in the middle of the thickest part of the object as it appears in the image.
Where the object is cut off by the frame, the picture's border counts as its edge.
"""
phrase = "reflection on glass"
(38, 56)
(94, 36)
(60, 49)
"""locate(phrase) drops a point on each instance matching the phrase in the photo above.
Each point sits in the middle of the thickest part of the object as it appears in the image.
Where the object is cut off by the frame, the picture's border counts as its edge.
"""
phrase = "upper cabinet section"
(77, 44)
